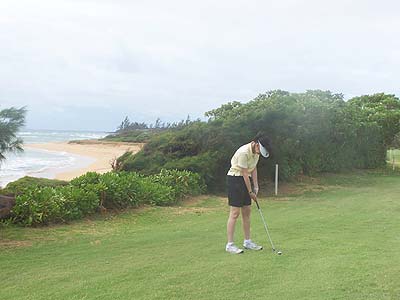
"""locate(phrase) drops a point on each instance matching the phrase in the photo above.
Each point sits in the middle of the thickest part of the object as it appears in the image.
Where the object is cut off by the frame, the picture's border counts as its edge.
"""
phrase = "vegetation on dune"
(312, 132)
(135, 132)
(131, 136)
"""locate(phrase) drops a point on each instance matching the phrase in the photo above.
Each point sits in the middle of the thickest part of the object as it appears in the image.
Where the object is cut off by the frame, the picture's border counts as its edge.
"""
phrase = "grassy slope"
(340, 241)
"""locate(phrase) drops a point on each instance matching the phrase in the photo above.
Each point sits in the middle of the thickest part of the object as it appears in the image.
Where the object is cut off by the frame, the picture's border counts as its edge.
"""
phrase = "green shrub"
(199, 148)
(19, 186)
(155, 193)
(183, 183)
(127, 189)
(79, 202)
(86, 179)
(121, 189)
(43, 205)
(37, 205)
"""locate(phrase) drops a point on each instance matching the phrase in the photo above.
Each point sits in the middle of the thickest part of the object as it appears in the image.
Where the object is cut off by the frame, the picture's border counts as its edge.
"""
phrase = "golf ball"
(279, 252)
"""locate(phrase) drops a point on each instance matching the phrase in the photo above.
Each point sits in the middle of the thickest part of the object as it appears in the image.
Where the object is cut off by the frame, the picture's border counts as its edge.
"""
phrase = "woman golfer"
(242, 185)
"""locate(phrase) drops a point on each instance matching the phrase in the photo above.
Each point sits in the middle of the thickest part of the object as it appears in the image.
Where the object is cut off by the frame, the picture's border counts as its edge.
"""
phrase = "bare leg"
(230, 227)
(246, 211)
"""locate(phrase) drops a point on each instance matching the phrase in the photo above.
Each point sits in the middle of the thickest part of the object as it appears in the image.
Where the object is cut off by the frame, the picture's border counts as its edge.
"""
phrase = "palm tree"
(11, 120)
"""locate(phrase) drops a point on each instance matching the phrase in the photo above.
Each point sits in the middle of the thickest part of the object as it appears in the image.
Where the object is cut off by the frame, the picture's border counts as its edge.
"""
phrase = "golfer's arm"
(255, 178)
(245, 174)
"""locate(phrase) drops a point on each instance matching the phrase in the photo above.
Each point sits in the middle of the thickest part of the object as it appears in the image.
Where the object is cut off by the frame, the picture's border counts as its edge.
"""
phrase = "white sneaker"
(233, 249)
(252, 246)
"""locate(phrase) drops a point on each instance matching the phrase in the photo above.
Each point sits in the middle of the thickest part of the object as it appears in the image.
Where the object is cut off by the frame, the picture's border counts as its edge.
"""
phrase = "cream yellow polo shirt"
(243, 158)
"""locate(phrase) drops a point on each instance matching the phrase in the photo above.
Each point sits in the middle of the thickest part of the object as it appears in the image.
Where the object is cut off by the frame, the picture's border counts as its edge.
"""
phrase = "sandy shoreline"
(102, 153)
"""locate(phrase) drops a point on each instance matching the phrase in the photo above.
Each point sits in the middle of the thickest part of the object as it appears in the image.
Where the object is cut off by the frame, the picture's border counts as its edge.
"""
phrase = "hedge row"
(88, 193)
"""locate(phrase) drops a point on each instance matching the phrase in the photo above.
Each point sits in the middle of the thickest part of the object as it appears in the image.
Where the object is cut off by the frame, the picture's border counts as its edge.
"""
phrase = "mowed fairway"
(340, 240)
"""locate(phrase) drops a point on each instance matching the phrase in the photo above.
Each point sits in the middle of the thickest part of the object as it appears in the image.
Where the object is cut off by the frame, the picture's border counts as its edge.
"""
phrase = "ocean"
(43, 163)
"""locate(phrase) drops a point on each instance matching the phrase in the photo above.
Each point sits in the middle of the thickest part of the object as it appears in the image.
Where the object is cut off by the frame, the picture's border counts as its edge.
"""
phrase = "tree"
(11, 120)
(396, 141)
(382, 109)
(124, 125)
(229, 110)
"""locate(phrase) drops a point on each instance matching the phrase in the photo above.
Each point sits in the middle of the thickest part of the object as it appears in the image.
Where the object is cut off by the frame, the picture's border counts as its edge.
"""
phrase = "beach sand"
(102, 152)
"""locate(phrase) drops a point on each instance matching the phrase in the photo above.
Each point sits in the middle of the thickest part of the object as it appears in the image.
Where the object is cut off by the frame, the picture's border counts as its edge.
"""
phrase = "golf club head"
(277, 252)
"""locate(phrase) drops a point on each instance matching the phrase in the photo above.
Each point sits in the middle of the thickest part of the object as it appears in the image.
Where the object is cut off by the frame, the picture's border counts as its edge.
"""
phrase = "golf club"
(266, 229)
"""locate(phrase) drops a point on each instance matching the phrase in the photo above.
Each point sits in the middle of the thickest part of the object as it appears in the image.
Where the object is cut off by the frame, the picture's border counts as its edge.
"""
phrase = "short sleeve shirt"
(244, 158)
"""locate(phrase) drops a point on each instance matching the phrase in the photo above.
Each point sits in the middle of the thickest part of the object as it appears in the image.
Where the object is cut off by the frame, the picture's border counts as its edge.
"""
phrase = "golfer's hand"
(253, 196)
(255, 190)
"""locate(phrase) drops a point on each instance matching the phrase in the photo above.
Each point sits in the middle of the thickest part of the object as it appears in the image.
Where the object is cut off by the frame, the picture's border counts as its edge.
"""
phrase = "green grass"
(339, 236)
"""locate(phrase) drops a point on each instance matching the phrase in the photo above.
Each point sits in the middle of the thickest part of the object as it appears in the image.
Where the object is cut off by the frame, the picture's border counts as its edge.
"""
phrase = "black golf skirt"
(238, 195)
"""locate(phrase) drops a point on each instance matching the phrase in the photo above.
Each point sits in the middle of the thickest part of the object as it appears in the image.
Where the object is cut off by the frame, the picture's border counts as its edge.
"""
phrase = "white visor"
(263, 151)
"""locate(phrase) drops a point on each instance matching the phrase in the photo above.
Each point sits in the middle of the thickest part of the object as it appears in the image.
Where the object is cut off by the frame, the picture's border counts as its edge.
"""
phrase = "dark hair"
(265, 141)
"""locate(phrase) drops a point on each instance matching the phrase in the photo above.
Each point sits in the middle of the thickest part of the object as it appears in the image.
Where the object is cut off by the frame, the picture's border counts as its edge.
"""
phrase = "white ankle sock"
(247, 241)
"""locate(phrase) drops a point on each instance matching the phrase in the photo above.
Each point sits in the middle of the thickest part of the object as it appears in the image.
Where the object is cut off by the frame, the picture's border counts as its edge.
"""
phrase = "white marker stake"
(394, 161)
(276, 179)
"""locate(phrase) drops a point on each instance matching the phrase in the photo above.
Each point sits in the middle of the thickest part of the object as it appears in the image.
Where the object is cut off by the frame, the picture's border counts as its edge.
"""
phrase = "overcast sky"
(86, 64)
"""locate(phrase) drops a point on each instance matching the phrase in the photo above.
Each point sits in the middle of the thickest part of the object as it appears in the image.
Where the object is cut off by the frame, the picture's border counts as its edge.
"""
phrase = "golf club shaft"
(265, 225)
